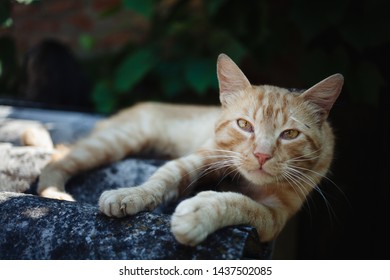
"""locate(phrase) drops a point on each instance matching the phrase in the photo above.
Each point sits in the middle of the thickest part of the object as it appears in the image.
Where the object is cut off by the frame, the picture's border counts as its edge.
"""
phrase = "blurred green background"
(286, 43)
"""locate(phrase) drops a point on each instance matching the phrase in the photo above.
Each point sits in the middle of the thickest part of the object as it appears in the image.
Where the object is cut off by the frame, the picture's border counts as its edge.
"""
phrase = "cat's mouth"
(260, 172)
(257, 173)
(259, 176)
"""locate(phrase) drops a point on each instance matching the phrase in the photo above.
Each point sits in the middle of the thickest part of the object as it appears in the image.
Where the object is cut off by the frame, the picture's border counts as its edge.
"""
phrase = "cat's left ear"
(231, 79)
(325, 93)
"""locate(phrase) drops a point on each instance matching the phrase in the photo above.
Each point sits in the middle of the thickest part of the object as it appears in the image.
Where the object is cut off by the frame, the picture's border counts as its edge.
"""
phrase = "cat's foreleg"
(195, 218)
(166, 184)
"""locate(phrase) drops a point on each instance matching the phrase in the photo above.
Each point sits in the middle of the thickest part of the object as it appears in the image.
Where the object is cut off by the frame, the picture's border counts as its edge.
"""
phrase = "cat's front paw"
(127, 201)
(195, 218)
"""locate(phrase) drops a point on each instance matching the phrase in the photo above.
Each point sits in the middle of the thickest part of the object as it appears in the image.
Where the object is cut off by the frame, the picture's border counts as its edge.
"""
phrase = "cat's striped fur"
(264, 151)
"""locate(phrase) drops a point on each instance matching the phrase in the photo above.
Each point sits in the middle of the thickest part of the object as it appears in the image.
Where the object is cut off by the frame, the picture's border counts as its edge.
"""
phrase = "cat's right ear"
(231, 79)
(325, 93)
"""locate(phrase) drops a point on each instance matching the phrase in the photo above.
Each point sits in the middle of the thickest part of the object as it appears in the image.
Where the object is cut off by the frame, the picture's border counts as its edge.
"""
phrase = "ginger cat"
(265, 149)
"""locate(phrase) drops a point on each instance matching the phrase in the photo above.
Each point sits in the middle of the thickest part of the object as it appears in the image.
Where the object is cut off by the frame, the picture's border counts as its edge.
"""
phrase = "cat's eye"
(289, 134)
(245, 125)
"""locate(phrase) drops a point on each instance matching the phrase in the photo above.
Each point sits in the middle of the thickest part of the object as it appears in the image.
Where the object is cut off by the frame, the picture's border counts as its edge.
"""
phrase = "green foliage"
(178, 57)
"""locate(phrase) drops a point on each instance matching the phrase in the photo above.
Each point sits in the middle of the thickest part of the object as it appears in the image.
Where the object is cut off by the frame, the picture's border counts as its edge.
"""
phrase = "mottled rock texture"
(20, 166)
(39, 228)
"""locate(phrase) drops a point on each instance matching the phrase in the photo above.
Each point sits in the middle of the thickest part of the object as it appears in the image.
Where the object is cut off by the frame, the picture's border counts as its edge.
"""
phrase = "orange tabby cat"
(265, 150)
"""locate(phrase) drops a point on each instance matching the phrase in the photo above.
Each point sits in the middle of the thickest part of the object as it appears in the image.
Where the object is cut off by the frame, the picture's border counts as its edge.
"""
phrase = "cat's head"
(274, 134)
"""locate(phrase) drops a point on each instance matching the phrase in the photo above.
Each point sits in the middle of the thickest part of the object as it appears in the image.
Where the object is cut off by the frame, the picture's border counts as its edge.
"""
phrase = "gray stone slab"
(40, 228)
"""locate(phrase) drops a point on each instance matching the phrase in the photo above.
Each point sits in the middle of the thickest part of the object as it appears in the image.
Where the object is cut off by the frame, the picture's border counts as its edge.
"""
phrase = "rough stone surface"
(20, 166)
(39, 228)
(33, 227)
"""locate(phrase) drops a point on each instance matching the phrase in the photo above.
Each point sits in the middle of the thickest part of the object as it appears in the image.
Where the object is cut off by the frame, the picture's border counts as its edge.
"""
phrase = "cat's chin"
(259, 176)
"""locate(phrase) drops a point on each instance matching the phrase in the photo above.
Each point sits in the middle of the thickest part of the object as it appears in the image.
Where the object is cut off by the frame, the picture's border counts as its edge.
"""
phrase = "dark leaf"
(86, 42)
(171, 77)
(226, 43)
(133, 68)
(212, 7)
(5, 8)
(201, 74)
(142, 7)
(104, 98)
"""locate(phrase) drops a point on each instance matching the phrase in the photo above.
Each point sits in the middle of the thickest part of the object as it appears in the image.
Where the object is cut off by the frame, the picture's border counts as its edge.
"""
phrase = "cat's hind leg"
(102, 147)
(52, 179)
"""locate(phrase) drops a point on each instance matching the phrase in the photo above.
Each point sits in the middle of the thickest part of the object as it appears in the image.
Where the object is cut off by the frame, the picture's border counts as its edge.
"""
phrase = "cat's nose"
(262, 158)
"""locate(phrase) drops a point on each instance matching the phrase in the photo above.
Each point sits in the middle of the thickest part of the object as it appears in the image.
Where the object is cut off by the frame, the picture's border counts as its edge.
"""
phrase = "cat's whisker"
(225, 175)
(207, 166)
(297, 186)
(221, 157)
(306, 157)
(237, 174)
(302, 187)
(210, 168)
(311, 183)
(295, 183)
(287, 171)
(220, 164)
(225, 151)
(323, 177)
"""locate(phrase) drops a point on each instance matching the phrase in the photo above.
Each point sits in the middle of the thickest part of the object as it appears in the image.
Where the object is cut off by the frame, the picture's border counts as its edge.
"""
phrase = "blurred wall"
(75, 22)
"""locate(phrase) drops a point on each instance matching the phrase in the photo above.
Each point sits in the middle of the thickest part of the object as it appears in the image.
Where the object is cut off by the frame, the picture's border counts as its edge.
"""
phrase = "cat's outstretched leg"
(167, 183)
(195, 218)
(102, 147)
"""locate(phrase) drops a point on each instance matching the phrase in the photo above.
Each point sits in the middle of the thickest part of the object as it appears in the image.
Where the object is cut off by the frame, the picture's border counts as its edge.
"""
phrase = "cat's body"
(264, 151)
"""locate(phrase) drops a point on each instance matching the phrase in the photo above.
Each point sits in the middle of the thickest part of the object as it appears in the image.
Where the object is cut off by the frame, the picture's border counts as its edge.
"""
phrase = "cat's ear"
(230, 77)
(325, 93)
